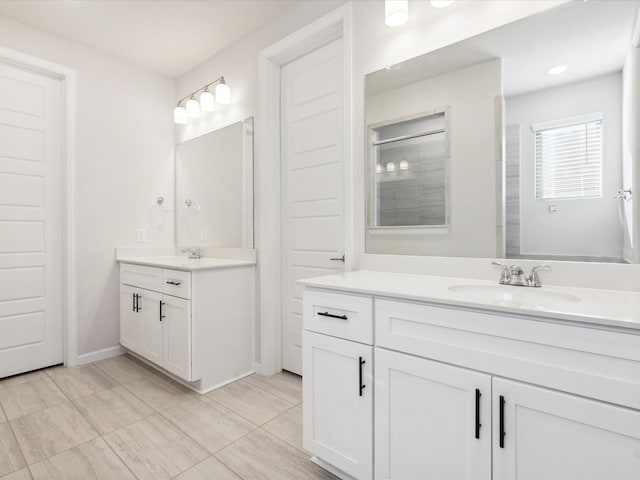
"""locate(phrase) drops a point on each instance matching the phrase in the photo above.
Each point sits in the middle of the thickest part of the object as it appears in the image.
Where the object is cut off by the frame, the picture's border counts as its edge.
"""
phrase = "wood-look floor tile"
(123, 368)
(159, 392)
(23, 378)
(112, 409)
(154, 449)
(11, 458)
(93, 460)
(23, 474)
(210, 469)
(287, 427)
(51, 431)
(253, 403)
(261, 456)
(285, 385)
(208, 423)
(30, 397)
(3, 417)
(80, 381)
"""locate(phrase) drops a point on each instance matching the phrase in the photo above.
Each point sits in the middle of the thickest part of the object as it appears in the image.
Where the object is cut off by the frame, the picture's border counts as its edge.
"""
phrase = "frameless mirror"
(537, 156)
(214, 188)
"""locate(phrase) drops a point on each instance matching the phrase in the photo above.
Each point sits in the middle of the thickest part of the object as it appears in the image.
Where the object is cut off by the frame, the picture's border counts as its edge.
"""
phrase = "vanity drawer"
(176, 283)
(141, 276)
(339, 315)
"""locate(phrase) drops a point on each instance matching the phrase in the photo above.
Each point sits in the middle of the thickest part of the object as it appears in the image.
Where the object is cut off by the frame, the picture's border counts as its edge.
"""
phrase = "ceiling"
(169, 37)
(591, 38)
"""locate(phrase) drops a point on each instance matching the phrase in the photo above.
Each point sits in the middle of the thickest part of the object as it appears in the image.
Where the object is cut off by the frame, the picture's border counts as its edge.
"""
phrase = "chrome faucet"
(194, 253)
(514, 275)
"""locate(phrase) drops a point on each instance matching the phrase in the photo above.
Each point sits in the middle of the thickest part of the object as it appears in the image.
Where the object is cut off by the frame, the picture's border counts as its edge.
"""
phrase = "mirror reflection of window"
(409, 163)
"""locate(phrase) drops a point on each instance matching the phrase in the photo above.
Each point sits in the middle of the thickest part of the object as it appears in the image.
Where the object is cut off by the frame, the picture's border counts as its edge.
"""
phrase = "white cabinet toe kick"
(196, 327)
(401, 389)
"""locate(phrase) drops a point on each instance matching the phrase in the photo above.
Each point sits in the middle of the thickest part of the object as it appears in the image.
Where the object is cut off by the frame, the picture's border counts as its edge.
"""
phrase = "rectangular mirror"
(539, 150)
(214, 188)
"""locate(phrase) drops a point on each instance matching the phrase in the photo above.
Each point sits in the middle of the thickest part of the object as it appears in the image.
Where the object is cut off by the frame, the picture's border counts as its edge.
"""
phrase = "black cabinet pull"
(478, 424)
(502, 421)
(133, 302)
(174, 282)
(331, 315)
(161, 315)
(136, 302)
(361, 386)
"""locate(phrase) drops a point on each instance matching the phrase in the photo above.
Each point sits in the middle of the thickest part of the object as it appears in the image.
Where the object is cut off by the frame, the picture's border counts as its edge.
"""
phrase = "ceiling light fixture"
(396, 12)
(558, 69)
(441, 3)
(192, 108)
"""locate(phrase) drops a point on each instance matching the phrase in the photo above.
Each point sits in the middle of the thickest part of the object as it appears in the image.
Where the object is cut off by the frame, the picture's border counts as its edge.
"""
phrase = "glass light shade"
(441, 3)
(378, 168)
(396, 12)
(404, 165)
(391, 167)
(207, 102)
(223, 93)
(193, 108)
(179, 115)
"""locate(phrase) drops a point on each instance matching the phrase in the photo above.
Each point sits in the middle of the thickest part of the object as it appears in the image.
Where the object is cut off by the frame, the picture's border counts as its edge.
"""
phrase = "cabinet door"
(177, 336)
(338, 403)
(550, 435)
(130, 319)
(151, 343)
(433, 421)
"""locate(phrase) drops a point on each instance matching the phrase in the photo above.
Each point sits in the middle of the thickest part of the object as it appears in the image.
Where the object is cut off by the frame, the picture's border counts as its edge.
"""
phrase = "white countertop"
(186, 264)
(600, 307)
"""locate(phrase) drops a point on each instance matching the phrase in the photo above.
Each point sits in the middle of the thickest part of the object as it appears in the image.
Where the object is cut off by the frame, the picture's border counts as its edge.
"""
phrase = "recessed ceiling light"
(557, 69)
(396, 12)
(441, 3)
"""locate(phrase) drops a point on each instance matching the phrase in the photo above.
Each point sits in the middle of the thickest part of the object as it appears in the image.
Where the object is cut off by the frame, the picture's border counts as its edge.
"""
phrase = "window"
(568, 157)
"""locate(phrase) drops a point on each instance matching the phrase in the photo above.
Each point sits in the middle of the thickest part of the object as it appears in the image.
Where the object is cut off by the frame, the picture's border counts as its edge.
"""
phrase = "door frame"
(336, 24)
(67, 76)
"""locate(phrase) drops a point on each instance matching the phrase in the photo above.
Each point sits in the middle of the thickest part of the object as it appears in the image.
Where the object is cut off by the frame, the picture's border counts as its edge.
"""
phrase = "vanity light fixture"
(558, 69)
(378, 168)
(441, 3)
(391, 167)
(396, 12)
(192, 108)
(404, 165)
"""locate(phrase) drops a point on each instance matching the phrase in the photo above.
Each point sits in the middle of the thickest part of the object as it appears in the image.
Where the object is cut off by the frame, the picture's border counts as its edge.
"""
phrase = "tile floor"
(119, 419)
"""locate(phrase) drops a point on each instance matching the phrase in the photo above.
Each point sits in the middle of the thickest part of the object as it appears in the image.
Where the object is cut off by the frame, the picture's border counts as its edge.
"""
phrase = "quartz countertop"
(185, 263)
(609, 308)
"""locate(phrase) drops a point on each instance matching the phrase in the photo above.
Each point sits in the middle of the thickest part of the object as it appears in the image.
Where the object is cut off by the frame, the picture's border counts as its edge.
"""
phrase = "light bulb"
(179, 115)
(396, 12)
(193, 108)
(441, 3)
(378, 168)
(404, 165)
(391, 167)
(223, 93)
(207, 102)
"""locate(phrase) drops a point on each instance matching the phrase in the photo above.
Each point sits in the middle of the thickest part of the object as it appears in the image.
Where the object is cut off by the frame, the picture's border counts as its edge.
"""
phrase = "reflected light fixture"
(378, 168)
(404, 165)
(558, 69)
(441, 3)
(192, 108)
(396, 12)
(391, 167)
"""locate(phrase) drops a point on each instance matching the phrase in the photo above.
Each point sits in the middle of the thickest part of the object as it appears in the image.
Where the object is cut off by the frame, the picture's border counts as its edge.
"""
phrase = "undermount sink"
(510, 295)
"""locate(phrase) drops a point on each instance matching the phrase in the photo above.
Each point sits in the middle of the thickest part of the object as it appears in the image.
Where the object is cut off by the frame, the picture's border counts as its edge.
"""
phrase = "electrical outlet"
(204, 234)
(141, 235)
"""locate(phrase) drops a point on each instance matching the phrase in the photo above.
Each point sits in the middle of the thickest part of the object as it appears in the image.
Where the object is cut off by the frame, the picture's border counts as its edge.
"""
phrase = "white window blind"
(569, 158)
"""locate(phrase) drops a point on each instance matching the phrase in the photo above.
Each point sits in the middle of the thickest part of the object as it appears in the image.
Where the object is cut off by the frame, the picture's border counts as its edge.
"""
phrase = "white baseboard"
(100, 355)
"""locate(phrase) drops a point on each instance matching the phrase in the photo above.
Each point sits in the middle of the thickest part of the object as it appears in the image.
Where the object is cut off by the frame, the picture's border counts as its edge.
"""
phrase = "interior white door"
(550, 436)
(432, 421)
(312, 166)
(31, 248)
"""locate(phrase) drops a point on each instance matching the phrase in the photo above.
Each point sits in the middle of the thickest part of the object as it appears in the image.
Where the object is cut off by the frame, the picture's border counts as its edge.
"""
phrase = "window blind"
(568, 159)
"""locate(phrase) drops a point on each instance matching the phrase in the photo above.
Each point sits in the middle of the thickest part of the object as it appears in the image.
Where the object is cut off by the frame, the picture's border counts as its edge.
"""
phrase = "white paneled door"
(312, 116)
(31, 274)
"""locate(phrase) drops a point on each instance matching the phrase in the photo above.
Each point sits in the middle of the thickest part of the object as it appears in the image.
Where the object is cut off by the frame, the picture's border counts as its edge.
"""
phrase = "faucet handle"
(534, 278)
(505, 277)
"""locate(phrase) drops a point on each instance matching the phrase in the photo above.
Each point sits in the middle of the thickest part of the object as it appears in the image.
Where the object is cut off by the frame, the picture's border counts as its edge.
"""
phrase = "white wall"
(124, 152)
(469, 94)
(581, 227)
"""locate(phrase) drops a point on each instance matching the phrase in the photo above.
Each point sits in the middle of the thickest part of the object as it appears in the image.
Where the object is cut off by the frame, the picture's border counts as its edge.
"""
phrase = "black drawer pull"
(361, 385)
(502, 434)
(331, 315)
(478, 424)
(174, 282)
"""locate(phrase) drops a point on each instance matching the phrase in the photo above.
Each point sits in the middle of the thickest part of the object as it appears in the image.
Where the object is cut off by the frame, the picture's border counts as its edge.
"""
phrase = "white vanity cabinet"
(194, 325)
